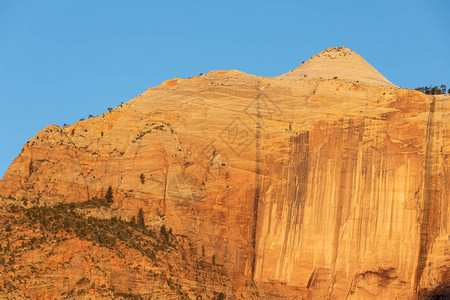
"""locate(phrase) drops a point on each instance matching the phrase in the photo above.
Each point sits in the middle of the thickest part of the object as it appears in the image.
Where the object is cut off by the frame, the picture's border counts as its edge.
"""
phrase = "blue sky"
(63, 60)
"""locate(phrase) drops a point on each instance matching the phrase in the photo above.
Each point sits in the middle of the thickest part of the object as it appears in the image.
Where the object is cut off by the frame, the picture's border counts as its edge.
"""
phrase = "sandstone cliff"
(325, 182)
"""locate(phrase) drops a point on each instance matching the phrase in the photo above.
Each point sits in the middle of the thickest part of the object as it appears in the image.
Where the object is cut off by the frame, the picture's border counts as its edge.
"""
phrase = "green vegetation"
(82, 281)
(164, 232)
(109, 196)
(142, 177)
(434, 90)
(30, 168)
(66, 218)
(140, 218)
(95, 202)
(129, 296)
(30, 227)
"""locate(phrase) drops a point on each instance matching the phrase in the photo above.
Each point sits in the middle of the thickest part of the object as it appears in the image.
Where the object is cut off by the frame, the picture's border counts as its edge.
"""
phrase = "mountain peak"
(339, 63)
(336, 53)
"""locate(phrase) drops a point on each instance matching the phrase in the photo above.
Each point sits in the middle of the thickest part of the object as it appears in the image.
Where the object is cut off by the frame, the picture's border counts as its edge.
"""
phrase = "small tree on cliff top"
(109, 195)
(140, 218)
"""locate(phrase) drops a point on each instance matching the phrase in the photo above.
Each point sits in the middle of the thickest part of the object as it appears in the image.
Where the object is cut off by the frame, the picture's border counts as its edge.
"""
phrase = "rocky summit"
(327, 182)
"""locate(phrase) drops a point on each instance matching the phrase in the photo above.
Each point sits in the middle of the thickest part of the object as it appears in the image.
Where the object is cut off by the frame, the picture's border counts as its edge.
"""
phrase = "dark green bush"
(140, 218)
(109, 195)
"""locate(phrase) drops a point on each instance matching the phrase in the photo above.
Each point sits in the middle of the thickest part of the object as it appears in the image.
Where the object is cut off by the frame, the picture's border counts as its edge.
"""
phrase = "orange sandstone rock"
(327, 181)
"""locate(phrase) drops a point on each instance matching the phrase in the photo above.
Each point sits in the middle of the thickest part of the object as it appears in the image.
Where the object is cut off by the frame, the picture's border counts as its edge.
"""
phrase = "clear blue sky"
(63, 60)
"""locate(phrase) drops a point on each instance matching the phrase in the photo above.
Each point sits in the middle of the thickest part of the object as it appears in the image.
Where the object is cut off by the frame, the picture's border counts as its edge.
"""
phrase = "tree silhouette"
(433, 90)
(109, 195)
(140, 218)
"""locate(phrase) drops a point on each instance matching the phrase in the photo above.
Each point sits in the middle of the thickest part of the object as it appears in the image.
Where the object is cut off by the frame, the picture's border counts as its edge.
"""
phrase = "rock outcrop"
(327, 181)
(342, 63)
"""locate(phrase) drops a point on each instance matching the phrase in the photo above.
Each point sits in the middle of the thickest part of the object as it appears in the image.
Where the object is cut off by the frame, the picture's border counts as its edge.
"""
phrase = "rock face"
(57, 253)
(335, 184)
(343, 63)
